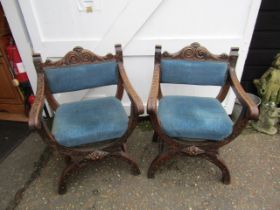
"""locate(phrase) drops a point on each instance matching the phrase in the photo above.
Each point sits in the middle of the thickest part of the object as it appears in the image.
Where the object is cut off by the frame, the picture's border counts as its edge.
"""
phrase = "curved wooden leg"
(214, 158)
(65, 173)
(155, 137)
(160, 145)
(124, 156)
(67, 159)
(158, 161)
(124, 147)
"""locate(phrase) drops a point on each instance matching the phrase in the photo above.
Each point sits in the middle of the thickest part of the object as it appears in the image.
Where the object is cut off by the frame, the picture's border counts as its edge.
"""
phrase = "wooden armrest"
(153, 97)
(134, 98)
(245, 100)
(35, 113)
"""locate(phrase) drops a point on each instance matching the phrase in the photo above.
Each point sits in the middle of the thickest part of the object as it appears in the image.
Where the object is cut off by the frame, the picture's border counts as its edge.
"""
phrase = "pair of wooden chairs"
(91, 130)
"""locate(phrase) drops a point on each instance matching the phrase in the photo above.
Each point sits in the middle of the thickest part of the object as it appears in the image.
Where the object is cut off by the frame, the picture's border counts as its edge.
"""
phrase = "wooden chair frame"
(79, 157)
(170, 147)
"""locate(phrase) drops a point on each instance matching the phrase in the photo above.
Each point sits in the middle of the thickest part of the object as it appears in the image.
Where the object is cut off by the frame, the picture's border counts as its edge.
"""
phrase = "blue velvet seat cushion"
(194, 72)
(90, 121)
(194, 117)
(84, 76)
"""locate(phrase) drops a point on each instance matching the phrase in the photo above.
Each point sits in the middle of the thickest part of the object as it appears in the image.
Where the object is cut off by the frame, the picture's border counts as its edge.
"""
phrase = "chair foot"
(124, 156)
(158, 161)
(215, 159)
(67, 160)
(62, 188)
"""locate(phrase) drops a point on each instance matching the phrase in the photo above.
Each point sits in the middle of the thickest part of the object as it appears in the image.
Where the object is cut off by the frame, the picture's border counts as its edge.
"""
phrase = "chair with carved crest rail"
(195, 126)
(87, 130)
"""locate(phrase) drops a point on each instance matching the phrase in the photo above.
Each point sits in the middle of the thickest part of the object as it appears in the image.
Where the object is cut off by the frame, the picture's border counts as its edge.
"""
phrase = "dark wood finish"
(265, 44)
(195, 52)
(250, 88)
(170, 147)
(4, 27)
(13, 117)
(268, 20)
(266, 40)
(11, 101)
(270, 5)
(254, 72)
(79, 157)
(261, 57)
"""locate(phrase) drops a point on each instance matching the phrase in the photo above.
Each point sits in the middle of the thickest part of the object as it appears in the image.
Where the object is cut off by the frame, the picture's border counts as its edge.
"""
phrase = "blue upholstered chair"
(86, 130)
(189, 125)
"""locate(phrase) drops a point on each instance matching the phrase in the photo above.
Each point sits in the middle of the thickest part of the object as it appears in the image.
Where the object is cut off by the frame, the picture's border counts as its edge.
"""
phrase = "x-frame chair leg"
(215, 159)
(68, 170)
(76, 165)
(212, 156)
(155, 137)
(159, 160)
(124, 156)
(67, 159)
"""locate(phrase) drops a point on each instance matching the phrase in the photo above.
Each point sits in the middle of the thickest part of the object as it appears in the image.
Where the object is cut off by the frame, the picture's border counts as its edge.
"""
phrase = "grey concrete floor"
(18, 167)
(182, 183)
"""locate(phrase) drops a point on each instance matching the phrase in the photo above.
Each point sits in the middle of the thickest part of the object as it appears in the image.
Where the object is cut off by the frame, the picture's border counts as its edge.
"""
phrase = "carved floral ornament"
(197, 52)
(192, 150)
(79, 56)
(96, 155)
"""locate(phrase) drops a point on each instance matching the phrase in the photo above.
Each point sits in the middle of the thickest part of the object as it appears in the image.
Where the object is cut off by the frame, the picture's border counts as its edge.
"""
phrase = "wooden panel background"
(138, 26)
(265, 43)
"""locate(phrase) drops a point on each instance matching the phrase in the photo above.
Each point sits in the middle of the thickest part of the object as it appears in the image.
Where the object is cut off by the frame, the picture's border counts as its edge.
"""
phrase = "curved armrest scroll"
(153, 97)
(133, 96)
(35, 113)
(242, 96)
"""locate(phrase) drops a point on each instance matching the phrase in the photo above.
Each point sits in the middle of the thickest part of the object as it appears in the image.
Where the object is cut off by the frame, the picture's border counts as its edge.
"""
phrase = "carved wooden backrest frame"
(78, 56)
(196, 52)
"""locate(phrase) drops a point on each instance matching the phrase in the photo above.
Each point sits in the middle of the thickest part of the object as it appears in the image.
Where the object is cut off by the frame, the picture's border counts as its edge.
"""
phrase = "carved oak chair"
(195, 126)
(87, 130)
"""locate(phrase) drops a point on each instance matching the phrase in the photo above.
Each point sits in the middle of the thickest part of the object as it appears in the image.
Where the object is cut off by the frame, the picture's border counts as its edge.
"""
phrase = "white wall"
(55, 27)
(20, 34)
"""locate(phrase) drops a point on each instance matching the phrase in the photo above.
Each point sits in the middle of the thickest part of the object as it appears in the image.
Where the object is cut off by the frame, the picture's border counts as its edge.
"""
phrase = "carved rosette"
(96, 155)
(79, 56)
(195, 52)
(192, 150)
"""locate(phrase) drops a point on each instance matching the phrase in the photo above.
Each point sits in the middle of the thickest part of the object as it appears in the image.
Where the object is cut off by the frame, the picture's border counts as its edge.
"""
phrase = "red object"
(15, 60)
(13, 53)
(31, 99)
(11, 48)
(22, 77)
(13, 56)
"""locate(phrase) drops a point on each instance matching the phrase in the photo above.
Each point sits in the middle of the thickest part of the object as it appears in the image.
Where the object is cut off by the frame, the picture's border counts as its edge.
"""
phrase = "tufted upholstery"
(72, 78)
(89, 121)
(193, 72)
(194, 117)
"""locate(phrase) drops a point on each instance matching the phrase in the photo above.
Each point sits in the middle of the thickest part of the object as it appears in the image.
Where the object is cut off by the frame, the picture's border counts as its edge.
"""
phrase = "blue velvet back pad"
(84, 76)
(193, 72)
